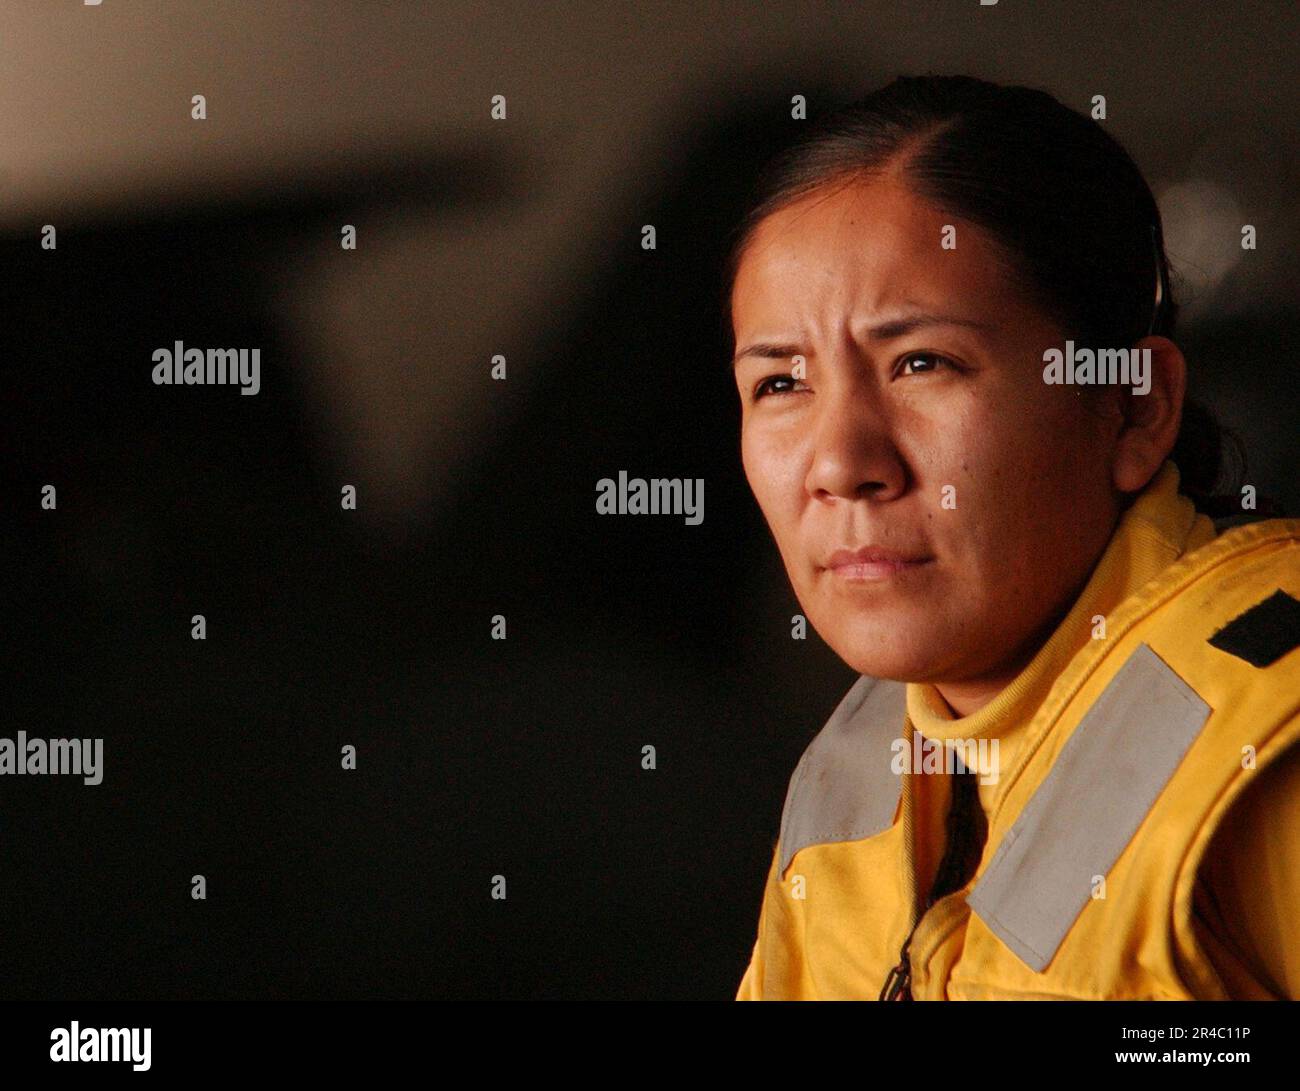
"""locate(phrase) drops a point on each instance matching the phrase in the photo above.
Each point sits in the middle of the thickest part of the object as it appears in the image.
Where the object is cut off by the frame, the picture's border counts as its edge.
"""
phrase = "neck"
(968, 695)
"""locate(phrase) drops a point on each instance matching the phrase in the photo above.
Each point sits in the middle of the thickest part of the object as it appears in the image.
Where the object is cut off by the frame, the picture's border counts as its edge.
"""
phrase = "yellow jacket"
(1143, 827)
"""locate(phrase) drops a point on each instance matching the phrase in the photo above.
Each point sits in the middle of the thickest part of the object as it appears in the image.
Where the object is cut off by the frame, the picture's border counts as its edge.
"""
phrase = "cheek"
(1010, 449)
(771, 463)
(995, 466)
(1062, 427)
(1030, 472)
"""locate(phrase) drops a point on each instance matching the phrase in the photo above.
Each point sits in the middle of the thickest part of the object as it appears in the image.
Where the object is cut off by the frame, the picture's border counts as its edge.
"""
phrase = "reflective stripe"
(1087, 809)
(843, 788)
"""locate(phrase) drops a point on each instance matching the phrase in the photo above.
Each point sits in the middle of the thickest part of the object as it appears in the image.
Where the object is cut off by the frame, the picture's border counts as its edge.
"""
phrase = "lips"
(874, 563)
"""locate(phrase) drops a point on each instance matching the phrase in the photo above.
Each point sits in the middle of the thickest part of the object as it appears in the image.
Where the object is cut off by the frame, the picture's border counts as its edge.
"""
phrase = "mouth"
(871, 565)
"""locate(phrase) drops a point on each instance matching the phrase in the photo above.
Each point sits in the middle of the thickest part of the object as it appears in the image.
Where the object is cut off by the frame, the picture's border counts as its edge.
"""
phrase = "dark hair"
(1077, 223)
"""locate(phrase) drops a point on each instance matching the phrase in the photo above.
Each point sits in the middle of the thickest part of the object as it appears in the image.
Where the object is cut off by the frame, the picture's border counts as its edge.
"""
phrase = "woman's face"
(920, 432)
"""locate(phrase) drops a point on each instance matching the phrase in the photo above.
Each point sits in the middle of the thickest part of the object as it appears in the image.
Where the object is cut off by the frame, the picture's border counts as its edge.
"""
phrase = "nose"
(854, 455)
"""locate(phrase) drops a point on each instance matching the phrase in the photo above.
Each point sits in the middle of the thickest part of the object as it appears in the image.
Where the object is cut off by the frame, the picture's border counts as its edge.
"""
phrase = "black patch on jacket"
(1264, 633)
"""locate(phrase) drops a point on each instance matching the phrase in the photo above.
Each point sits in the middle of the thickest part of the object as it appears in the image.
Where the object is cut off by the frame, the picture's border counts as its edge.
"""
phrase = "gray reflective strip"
(843, 788)
(1100, 788)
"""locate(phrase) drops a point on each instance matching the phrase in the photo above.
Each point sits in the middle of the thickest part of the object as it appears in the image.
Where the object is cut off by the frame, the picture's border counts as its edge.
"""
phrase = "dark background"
(329, 627)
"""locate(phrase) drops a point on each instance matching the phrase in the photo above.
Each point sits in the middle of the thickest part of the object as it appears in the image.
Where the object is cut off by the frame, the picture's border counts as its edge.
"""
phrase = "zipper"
(966, 834)
(898, 983)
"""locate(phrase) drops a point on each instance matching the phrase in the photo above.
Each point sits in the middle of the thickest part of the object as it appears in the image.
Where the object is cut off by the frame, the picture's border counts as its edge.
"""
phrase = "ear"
(1150, 420)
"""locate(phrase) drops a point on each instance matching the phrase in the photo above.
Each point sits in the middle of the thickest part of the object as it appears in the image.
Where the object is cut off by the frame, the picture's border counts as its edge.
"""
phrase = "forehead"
(867, 245)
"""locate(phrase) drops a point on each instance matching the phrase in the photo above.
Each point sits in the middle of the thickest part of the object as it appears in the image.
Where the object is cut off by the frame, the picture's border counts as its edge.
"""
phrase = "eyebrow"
(885, 331)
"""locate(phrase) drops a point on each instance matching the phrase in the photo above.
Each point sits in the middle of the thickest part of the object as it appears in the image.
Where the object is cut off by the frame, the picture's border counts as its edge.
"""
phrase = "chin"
(895, 668)
(893, 647)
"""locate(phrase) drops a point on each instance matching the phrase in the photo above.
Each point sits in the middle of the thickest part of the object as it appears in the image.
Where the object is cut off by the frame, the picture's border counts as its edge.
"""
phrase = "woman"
(1020, 566)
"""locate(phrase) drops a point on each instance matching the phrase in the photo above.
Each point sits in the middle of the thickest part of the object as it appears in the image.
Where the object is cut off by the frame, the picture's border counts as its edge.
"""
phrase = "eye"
(768, 386)
(932, 361)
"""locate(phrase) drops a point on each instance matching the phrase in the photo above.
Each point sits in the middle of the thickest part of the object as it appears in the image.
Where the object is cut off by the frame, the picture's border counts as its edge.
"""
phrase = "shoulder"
(1268, 549)
(1226, 616)
(843, 788)
(1224, 626)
